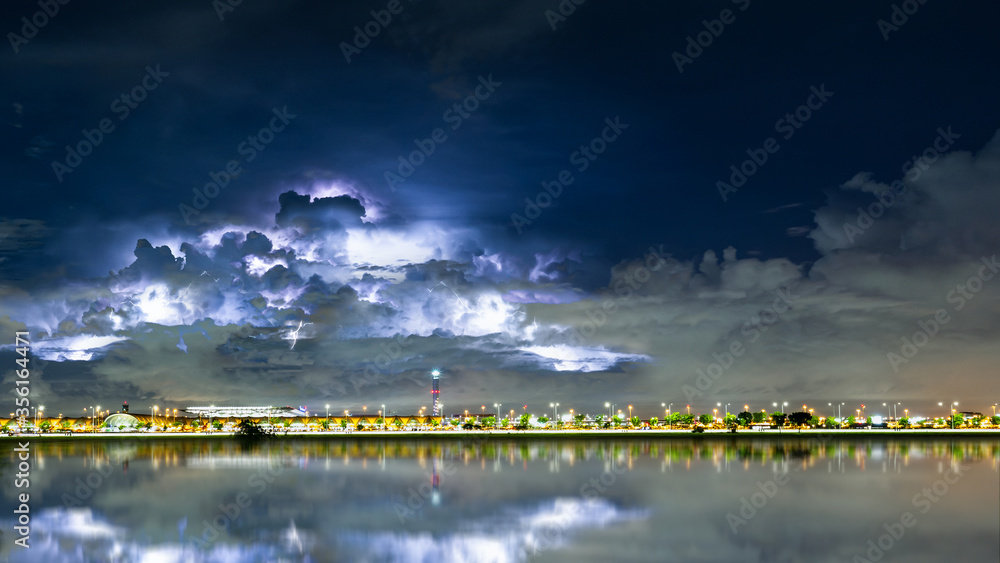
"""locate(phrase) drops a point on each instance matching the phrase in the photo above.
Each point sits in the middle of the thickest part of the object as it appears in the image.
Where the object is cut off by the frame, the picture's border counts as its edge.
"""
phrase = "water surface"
(499, 500)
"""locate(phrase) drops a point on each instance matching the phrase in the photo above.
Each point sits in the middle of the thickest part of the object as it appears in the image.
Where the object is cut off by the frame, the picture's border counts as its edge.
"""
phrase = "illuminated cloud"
(570, 358)
(80, 348)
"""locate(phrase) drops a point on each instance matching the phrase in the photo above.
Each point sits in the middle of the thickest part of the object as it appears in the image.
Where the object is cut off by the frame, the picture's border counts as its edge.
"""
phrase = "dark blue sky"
(222, 79)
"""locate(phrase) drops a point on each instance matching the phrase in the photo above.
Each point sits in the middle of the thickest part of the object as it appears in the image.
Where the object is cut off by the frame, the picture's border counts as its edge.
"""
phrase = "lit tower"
(435, 393)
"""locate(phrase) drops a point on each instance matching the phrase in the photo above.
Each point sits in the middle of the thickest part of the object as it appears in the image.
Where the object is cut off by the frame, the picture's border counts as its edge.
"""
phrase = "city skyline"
(636, 205)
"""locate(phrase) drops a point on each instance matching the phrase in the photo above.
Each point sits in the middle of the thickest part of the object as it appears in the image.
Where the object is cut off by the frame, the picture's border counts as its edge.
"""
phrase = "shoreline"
(536, 435)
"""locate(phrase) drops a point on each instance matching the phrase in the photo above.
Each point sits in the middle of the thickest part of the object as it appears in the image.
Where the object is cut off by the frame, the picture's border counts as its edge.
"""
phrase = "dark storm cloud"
(20, 241)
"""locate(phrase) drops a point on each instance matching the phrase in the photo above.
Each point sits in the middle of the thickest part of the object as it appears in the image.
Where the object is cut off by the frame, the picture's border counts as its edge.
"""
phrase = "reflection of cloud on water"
(74, 523)
(72, 535)
(507, 538)
(60, 535)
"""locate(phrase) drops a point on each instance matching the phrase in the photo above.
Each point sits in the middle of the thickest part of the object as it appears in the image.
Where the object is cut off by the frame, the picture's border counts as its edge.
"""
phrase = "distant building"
(247, 412)
(435, 393)
(120, 422)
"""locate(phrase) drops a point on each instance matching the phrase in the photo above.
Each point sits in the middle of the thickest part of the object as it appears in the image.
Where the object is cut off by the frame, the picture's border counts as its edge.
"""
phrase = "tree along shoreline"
(769, 434)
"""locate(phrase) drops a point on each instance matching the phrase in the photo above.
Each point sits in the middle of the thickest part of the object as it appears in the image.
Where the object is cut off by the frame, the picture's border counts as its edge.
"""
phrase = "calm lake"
(506, 500)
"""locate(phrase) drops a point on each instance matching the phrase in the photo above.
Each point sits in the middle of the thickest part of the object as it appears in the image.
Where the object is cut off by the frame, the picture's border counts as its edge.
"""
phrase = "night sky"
(689, 203)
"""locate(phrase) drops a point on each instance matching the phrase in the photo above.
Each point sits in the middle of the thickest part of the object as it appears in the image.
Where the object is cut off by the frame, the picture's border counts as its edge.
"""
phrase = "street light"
(630, 414)
(555, 406)
(496, 423)
(328, 412)
(385, 415)
(669, 423)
